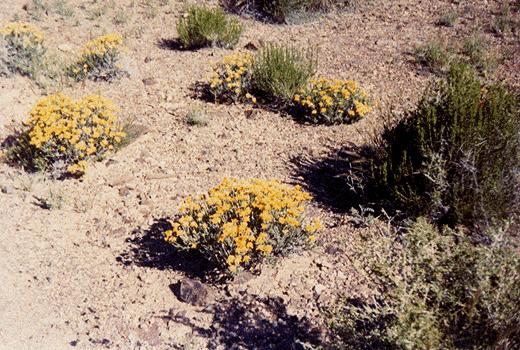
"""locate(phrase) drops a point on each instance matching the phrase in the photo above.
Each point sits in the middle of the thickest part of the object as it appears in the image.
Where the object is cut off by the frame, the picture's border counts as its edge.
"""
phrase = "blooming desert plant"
(279, 71)
(332, 101)
(22, 49)
(99, 59)
(231, 79)
(208, 26)
(239, 223)
(62, 134)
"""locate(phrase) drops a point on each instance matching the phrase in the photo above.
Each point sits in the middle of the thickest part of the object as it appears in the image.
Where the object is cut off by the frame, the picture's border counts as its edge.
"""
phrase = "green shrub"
(455, 158)
(21, 49)
(279, 71)
(433, 55)
(206, 27)
(432, 289)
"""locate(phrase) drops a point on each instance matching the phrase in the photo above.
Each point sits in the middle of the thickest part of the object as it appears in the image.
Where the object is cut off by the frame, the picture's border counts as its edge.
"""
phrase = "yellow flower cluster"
(29, 34)
(102, 45)
(98, 58)
(63, 129)
(332, 101)
(231, 78)
(239, 222)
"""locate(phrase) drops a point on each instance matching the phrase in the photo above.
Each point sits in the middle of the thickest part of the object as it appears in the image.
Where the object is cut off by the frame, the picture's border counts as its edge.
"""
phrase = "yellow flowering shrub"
(332, 101)
(231, 78)
(22, 48)
(99, 59)
(62, 135)
(239, 223)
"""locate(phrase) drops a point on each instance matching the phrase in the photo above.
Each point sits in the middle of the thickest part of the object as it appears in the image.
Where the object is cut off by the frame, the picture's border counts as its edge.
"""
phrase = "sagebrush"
(433, 289)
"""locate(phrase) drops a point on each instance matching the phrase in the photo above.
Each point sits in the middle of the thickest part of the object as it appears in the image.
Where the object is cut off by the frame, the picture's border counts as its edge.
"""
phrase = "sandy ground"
(91, 274)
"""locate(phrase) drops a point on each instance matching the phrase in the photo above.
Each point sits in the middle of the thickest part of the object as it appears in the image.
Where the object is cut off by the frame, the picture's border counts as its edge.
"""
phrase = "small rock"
(322, 264)
(124, 191)
(111, 162)
(147, 59)
(253, 45)
(65, 47)
(250, 113)
(191, 291)
(7, 189)
(149, 81)
(318, 289)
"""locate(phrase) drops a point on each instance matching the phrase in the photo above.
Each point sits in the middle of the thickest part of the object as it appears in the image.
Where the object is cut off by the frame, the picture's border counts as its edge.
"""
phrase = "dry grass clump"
(62, 135)
(240, 223)
(99, 59)
(22, 49)
(204, 26)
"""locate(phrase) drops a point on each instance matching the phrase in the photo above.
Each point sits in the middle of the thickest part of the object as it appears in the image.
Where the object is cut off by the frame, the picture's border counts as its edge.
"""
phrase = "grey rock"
(191, 291)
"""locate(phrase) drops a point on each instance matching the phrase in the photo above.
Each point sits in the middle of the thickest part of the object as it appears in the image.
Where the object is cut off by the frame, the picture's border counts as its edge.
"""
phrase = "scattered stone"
(7, 189)
(333, 250)
(254, 45)
(124, 191)
(65, 47)
(191, 291)
(111, 162)
(322, 264)
(250, 113)
(149, 81)
(147, 59)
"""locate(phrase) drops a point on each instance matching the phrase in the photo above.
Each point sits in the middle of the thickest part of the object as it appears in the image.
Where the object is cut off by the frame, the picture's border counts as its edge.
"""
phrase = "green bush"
(455, 158)
(279, 71)
(207, 27)
(432, 289)
(476, 49)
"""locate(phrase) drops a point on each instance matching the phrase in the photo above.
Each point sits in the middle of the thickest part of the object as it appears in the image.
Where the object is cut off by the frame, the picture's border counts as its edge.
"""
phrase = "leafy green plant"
(433, 289)
(22, 49)
(279, 71)
(204, 26)
(454, 158)
(433, 55)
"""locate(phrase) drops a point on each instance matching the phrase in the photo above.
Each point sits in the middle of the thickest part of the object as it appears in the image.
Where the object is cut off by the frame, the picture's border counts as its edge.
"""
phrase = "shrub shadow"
(339, 180)
(149, 249)
(171, 44)
(251, 322)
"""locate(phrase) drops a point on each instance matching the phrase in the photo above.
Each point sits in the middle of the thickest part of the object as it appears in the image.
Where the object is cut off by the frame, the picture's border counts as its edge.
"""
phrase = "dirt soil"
(90, 272)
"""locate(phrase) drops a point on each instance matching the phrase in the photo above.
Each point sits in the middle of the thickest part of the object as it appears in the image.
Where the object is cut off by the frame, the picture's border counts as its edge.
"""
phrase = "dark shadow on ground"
(336, 181)
(149, 249)
(171, 44)
(251, 322)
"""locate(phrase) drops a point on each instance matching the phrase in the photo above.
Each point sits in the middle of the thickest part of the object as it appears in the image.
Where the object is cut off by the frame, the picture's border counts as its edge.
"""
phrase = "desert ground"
(81, 265)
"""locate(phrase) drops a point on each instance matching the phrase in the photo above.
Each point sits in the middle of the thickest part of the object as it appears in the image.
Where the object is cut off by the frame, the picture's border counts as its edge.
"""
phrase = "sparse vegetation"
(196, 117)
(204, 26)
(476, 49)
(433, 55)
(448, 18)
